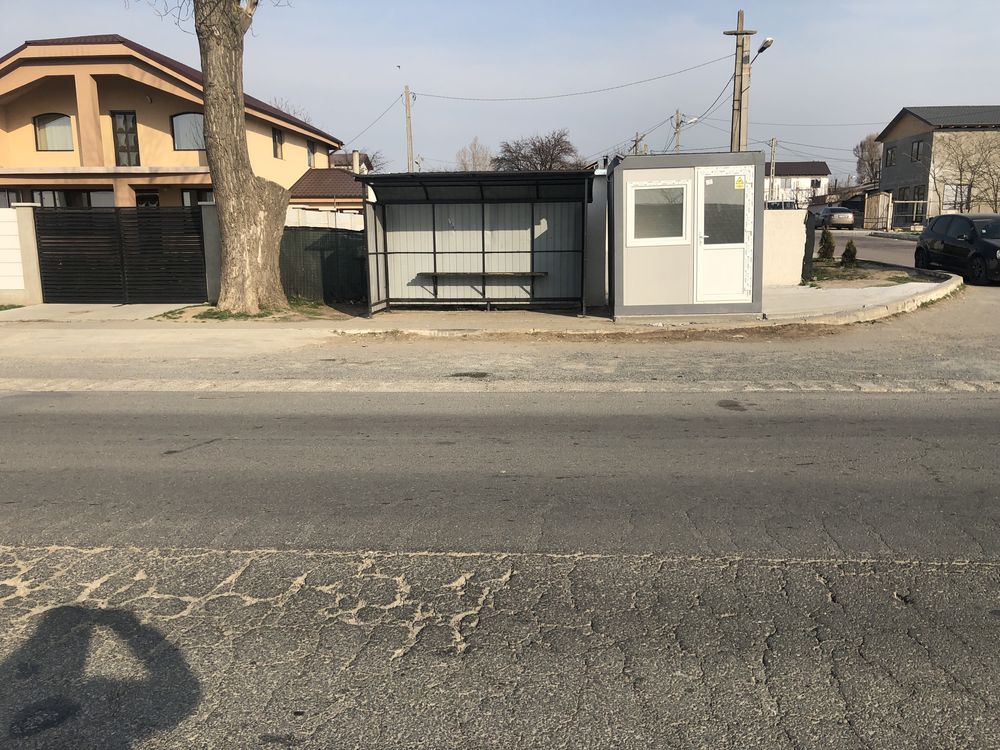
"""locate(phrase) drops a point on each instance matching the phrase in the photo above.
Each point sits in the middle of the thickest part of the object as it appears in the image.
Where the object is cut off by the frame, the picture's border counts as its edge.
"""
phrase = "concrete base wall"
(784, 246)
(22, 280)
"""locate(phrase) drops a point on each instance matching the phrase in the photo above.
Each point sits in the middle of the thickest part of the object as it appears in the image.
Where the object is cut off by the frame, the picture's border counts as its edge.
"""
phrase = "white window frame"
(683, 239)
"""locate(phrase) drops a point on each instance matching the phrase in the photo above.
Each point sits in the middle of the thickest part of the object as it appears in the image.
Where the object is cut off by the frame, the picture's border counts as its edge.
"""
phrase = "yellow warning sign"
(740, 183)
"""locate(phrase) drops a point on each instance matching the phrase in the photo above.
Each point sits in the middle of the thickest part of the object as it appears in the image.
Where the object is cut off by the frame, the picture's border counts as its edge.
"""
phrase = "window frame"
(311, 153)
(890, 156)
(34, 125)
(138, 153)
(173, 130)
(917, 146)
(631, 240)
(278, 143)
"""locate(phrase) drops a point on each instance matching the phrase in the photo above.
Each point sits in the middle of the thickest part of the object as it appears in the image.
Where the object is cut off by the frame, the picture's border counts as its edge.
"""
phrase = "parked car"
(968, 244)
(835, 217)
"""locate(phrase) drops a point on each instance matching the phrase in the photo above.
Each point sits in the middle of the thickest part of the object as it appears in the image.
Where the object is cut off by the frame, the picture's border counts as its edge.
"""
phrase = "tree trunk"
(251, 209)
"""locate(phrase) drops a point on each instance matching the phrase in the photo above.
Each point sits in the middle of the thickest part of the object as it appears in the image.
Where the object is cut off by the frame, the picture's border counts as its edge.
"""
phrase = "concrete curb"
(905, 236)
(877, 312)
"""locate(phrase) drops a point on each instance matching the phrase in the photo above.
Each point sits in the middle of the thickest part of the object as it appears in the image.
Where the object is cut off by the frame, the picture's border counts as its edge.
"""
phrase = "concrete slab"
(61, 313)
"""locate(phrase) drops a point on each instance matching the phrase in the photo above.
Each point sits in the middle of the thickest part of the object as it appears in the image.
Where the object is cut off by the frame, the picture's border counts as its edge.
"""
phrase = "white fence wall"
(310, 217)
(11, 271)
(784, 247)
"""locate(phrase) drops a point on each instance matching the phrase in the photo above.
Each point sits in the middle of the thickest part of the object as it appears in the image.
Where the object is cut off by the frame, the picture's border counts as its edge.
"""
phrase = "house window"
(657, 213)
(53, 132)
(278, 143)
(957, 197)
(188, 129)
(905, 209)
(311, 153)
(917, 151)
(126, 135)
(815, 184)
(920, 204)
(191, 198)
(147, 200)
(890, 156)
(8, 196)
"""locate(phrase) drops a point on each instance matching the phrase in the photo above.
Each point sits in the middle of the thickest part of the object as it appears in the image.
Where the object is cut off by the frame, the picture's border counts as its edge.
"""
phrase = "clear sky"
(852, 61)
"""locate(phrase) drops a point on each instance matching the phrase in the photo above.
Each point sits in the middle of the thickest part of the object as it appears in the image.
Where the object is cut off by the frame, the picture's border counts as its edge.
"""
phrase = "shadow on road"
(52, 696)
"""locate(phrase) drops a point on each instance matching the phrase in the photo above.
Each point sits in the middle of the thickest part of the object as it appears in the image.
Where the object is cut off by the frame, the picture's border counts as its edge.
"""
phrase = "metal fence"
(324, 265)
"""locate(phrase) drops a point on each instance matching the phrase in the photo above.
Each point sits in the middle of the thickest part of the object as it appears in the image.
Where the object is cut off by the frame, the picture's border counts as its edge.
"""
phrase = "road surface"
(789, 540)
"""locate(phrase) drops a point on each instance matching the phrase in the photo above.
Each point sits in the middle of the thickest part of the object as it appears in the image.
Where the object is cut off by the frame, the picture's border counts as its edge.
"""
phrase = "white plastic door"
(724, 237)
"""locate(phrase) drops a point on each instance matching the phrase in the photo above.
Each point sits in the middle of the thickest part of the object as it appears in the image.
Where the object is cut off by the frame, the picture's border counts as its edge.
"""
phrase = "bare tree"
(868, 152)
(251, 209)
(986, 189)
(475, 157)
(959, 171)
(552, 151)
(280, 102)
(377, 159)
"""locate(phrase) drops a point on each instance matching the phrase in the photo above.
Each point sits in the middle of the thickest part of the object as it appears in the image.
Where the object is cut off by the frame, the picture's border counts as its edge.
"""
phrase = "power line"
(813, 124)
(574, 93)
(374, 122)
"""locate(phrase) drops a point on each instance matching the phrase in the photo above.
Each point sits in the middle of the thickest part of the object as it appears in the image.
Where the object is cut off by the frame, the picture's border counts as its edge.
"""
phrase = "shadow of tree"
(48, 700)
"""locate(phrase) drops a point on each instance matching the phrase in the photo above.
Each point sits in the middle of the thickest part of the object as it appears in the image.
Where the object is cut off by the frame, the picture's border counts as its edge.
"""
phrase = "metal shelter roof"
(478, 187)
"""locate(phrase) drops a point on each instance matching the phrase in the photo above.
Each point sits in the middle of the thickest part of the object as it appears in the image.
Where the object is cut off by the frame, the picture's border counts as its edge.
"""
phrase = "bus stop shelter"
(476, 238)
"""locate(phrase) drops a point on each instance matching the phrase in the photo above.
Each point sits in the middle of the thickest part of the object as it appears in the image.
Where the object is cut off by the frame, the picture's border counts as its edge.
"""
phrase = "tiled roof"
(327, 183)
(797, 169)
(186, 71)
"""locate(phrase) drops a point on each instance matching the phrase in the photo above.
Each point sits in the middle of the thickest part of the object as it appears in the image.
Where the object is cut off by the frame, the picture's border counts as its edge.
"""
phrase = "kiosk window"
(658, 215)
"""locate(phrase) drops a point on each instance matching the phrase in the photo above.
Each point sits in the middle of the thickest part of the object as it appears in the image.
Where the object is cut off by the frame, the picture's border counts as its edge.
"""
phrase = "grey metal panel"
(410, 242)
(508, 246)
(376, 258)
(558, 249)
(459, 247)
(409, 228)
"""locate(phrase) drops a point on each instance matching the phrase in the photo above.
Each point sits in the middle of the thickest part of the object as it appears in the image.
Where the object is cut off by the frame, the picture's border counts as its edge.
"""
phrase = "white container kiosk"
(685, 234)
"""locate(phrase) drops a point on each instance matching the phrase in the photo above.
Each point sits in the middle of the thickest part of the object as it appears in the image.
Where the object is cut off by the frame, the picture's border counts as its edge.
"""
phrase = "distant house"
(798, 181)
(103, 121)
(941, 159)
(334, 188)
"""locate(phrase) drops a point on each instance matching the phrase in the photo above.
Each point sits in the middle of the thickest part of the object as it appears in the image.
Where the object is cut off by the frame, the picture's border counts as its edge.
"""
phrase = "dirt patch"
(829, 274)
(301, 310)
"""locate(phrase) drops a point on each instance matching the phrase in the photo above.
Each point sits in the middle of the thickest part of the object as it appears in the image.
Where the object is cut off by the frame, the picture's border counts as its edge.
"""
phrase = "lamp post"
(741, 83)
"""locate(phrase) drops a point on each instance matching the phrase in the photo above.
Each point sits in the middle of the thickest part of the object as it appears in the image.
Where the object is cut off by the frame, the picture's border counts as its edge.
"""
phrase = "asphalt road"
(558, 570)
(883, 250)
(783, 540)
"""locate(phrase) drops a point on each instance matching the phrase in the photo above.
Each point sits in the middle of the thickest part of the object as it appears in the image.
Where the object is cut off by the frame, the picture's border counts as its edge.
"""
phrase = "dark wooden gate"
(121, 255)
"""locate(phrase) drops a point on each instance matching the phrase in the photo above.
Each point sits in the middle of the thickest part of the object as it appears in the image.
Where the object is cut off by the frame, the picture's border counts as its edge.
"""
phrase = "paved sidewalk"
(55, 313)
(782, 305)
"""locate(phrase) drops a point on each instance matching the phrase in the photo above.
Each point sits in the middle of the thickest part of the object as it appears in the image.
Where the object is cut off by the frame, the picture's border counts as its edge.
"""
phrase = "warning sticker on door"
(740, 183)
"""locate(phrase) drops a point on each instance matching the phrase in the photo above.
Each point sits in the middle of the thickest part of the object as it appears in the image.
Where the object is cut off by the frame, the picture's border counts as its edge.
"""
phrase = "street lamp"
(741, 83)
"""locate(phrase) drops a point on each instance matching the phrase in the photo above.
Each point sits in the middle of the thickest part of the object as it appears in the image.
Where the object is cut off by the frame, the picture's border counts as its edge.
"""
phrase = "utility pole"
(677, 132)
(774, 148)
(741, 86)
(637, 142)
(409, 129)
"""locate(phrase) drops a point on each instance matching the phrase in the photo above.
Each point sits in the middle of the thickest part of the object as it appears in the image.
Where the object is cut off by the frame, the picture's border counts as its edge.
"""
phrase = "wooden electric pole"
(409, 129)
(774, 148)
(741, 86)
(677, 132)
(637, 142)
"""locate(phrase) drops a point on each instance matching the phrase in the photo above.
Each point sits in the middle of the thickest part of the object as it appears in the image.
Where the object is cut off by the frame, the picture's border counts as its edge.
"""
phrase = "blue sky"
(344, 63)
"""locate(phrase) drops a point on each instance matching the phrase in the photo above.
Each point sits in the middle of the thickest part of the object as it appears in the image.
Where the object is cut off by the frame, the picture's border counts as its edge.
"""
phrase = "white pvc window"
(189, 131)
(657, 213)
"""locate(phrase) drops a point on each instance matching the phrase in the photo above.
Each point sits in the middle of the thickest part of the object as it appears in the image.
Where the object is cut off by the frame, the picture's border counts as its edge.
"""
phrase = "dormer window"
(53, 132)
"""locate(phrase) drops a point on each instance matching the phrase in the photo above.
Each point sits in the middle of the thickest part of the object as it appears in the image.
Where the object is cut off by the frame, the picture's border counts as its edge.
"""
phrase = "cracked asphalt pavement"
(675, 567)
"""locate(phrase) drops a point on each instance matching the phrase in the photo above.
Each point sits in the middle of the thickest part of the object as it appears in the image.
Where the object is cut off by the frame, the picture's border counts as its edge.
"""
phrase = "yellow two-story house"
(103, 121)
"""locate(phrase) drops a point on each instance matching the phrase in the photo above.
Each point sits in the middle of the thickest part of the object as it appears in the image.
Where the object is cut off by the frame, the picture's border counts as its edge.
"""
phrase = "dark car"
(968, 244)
